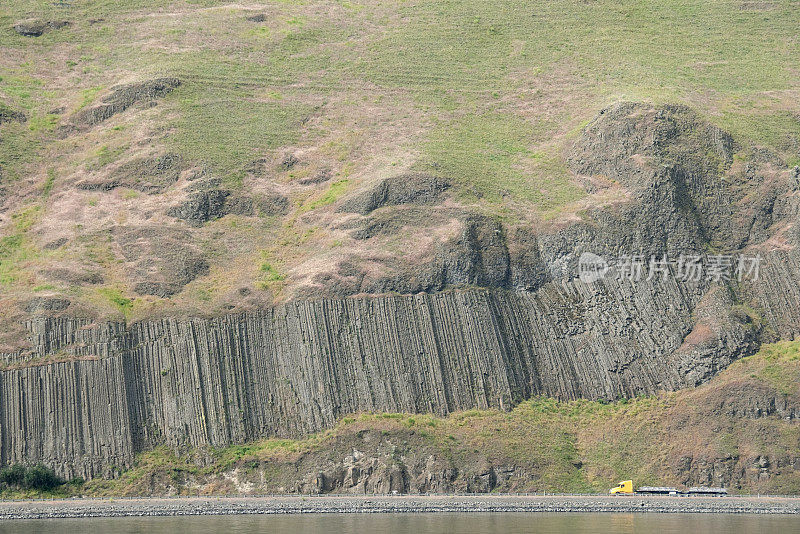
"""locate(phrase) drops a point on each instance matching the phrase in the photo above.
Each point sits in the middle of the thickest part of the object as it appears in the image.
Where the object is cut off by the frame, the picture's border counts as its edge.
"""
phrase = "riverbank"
(186, 506)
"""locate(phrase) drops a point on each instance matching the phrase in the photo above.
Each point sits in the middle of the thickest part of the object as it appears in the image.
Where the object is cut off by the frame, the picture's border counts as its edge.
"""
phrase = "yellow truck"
(626, 488)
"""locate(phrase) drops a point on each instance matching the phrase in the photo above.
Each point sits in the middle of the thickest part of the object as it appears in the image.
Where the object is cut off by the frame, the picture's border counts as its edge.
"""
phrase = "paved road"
(73, 508)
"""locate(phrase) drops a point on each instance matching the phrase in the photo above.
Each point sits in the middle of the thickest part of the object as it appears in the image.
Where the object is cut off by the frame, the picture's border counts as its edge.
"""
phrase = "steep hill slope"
(196, 158)
(226, 222)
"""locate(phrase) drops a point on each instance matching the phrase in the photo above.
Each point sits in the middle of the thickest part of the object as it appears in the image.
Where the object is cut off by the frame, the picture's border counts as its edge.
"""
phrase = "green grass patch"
(782, 369)
(489, 157)
(19, 147)
(49, 182)
(480, 152)
(116, 298)
(106, 155)
(271, 274)
(15, 248)
(333, 193)
(88, 95)
(778, 130)
(229, 129)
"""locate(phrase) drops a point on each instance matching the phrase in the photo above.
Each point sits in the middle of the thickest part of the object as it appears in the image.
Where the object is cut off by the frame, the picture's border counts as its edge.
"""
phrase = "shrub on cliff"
(12, 475)
(40, 477)
(37, 477)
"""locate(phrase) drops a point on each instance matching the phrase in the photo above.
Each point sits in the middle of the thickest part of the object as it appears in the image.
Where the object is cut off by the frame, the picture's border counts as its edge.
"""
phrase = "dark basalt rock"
(76, 277)
(322, 176)
(676, 167)
(271, 204)
(47, 304)
(390, 221)
(56, 243)
(201, 207)
(289, 161)
(209, 204)
(534, 328)
(482, 255)
(416, 188)
(151, 175)
(36, 28)
(299, 367)
(160, 260)
(11, 115)
(120, 99)
(479, 256)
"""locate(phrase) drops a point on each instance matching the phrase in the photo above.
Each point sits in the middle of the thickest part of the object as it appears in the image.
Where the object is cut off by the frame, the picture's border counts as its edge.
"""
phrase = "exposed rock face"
(160, 260)
(380, 464)
(47, 304)
(533, 328)
(297, 368)
(416, 188)
(120, 99)
(212, 203)
(77, 277)
(36, 28)
(482, 254)
(479, 256)
(753, 400)
(685, 197)
(149, 175)
(201, 207)
(11, 115)
(675, 165)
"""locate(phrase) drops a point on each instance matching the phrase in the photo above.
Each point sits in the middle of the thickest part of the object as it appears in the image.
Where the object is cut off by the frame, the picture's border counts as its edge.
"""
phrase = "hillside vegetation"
(258, 217)
(289, 106)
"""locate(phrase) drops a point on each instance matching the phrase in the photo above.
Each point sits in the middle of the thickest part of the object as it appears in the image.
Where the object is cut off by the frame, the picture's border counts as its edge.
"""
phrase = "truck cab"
(626, 487)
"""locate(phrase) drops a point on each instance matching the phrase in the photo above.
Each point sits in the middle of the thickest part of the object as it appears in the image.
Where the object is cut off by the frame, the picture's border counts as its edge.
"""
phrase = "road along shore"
(182, 506)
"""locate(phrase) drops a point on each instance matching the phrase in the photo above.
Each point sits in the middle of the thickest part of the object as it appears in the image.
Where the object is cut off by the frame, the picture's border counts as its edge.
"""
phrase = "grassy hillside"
(484, 93)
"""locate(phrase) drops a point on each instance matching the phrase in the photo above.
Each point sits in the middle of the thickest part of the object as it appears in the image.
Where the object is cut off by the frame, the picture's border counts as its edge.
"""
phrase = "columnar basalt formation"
(298, 367)
(85, 396)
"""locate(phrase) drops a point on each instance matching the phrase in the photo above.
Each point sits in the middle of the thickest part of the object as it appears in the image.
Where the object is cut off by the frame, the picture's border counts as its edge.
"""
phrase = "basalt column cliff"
(493, 315)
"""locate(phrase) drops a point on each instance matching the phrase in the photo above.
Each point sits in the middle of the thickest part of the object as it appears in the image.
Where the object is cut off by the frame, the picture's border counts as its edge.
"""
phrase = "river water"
(507, 523)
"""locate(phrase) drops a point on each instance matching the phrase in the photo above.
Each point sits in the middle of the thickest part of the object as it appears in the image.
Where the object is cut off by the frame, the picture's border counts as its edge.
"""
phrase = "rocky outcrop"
(201, 207)
(377, 462)
(521, 324)
(211, 203)
(484, 253)
(159, 260)
(121, 98)
(685, 194)
(74, 276)
(47, 304)
(36, 28)
(299, 367)
(753, 400)
(149, 175)
(414, 188)
(8, 114)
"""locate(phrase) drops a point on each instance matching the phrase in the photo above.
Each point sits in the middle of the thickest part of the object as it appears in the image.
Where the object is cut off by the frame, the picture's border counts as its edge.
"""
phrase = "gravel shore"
(138, 507)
